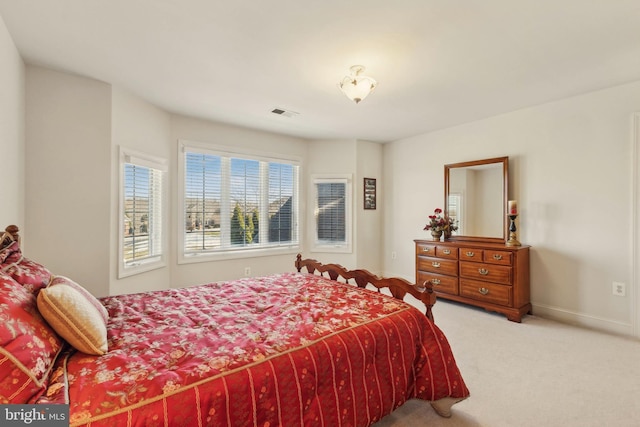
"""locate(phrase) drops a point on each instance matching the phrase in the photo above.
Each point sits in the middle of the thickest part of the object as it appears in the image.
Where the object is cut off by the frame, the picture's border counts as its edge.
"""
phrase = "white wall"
(12, 77)
(369, 248)
(137, 125)
(571, 170)
(359, 159)
(68, 176)
(75, 127)
(334, 157)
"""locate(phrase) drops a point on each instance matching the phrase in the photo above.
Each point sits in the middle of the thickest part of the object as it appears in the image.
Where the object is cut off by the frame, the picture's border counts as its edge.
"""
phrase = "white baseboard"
(587, 321)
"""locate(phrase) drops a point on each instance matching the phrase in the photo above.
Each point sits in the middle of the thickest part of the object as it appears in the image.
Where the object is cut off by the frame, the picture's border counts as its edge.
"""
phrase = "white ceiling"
(438, 62)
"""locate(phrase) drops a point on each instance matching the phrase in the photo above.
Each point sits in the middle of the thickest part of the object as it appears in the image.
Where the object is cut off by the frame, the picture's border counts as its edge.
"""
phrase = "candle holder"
(513, 238)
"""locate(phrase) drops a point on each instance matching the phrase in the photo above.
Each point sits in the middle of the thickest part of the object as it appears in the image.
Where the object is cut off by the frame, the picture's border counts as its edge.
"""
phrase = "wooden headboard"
(9, 236)
(397, 286)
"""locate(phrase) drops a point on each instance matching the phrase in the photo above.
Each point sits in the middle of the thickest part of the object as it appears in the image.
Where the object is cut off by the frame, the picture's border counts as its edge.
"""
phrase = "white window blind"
(281, 202)
(333, 214)
(142, 213)
(235, 202)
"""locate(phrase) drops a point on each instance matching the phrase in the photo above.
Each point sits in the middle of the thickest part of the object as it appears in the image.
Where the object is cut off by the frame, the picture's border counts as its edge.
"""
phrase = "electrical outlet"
(619, 289)
(247, 271)
(393, 255)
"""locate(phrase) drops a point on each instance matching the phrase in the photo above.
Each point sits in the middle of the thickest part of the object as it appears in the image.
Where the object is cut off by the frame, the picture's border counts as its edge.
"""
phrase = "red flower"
(439, 223)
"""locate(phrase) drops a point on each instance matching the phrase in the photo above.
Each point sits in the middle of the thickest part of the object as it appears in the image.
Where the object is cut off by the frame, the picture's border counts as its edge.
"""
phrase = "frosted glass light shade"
(356, 86)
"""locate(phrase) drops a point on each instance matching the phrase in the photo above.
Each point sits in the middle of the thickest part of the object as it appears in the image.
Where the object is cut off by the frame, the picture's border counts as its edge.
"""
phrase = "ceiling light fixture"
(356, 86)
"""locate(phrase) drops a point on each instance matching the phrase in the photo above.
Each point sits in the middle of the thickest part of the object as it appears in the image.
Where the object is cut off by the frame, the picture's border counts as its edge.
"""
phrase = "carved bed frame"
(397, 286)
(10, 234)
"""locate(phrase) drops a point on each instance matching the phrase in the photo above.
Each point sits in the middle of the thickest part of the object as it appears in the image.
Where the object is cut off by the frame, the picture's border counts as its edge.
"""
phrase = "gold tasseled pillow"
(75, 314)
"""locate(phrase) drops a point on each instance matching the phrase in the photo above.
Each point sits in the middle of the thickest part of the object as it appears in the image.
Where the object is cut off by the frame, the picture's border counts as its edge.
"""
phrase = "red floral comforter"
(289, 349)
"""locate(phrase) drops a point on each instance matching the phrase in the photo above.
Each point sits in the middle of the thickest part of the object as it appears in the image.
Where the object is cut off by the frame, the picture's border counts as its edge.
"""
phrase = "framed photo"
(369, 193)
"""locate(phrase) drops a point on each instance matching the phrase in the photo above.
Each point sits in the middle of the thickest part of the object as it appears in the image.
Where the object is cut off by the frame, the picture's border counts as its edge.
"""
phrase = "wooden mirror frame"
(505, 190)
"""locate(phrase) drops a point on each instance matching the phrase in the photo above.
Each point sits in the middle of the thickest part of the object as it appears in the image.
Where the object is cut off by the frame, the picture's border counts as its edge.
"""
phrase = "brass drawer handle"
(483, 271)
(497, 257)
(483, 291)
(425, 249)
(435, 264)
(470, 254)
(446, 251)
(435, 281)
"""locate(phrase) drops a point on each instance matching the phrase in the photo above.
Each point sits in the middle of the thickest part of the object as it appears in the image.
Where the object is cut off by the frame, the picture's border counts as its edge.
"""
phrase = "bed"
(306, 347)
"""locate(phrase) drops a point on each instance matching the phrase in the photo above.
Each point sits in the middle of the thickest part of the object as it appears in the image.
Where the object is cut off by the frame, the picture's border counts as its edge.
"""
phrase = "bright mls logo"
(34, 415)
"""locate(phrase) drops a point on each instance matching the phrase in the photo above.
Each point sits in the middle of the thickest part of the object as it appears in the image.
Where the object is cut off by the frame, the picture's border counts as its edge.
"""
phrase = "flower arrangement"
(439, 223)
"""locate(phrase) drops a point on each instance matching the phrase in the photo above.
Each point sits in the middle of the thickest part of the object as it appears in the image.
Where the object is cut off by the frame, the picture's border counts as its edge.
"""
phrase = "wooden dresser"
(493, 276)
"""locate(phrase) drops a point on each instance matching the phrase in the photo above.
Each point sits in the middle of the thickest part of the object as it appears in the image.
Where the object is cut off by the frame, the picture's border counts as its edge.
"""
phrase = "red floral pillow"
(28, 346)
(28, 273)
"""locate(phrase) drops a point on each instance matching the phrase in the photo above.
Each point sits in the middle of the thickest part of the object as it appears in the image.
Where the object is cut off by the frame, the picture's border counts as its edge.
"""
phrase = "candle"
(513, 207)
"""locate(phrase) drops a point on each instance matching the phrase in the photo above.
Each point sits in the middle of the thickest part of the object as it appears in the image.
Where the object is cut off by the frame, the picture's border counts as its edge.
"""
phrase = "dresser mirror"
(475, 196)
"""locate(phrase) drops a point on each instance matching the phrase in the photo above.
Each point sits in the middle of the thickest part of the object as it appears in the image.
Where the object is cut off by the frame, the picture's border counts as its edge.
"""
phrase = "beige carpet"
(536, 373)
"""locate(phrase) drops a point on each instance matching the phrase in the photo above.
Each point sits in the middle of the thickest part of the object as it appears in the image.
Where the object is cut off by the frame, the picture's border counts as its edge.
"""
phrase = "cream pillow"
(75, 314)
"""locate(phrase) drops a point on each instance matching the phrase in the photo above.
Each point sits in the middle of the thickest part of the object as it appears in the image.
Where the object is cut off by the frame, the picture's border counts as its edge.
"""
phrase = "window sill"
(237, 254)
(142, 267)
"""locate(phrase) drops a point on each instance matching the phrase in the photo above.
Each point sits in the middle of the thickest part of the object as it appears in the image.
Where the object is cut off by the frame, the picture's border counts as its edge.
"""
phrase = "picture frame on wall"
(369, 193)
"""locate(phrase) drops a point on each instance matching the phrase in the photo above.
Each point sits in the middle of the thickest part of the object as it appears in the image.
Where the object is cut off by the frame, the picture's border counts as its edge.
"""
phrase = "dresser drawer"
(471, 254)
(426, 249)
(446, 284)
(446, 252)
(487, 292)
(438, 265)
(497, 257)
(488, 272)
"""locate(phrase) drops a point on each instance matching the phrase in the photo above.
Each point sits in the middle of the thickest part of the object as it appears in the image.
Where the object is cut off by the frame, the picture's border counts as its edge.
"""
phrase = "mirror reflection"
(475, 196)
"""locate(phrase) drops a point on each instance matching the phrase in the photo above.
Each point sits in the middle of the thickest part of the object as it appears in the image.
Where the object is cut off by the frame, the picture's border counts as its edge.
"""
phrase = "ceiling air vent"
(285, 113)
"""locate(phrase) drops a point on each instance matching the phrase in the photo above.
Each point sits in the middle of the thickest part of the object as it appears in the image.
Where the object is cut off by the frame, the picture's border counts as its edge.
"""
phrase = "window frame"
(128, 156)
(245, 252)
(318, 245)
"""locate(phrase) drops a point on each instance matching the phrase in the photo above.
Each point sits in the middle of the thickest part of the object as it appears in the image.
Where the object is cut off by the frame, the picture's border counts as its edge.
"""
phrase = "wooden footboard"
(397, 286)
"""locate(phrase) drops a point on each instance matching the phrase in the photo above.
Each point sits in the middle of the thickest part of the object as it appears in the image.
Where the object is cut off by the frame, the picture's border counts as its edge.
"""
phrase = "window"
(455, 207)
(332, 214)
(236, 204)
(141, 213)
